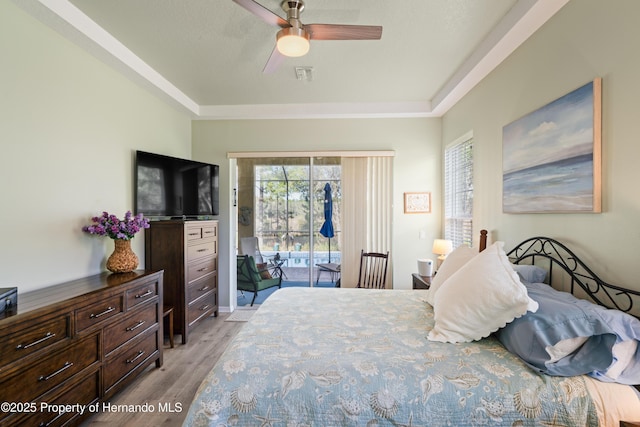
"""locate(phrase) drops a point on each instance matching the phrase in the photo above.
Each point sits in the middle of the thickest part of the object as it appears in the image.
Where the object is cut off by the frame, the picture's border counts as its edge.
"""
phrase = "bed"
(362, 358)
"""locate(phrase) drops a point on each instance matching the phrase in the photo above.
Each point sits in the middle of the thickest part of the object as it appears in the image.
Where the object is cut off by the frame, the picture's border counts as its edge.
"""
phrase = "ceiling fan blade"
(263, 13)
(274, 61)
(344, 32)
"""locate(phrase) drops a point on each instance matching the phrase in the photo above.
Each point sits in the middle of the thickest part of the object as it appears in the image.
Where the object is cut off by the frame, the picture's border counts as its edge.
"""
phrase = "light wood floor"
(176, 382)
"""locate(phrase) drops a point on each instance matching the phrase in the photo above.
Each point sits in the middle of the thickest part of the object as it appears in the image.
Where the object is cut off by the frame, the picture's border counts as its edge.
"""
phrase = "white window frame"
(458, 191)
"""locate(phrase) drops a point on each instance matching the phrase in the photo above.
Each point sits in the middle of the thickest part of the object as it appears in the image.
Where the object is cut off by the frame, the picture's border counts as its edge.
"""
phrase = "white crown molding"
(526, 17)
(317, 154)
(316, 111)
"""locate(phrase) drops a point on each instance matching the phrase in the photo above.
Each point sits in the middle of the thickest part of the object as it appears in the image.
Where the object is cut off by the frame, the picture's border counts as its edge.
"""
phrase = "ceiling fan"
(293, 39)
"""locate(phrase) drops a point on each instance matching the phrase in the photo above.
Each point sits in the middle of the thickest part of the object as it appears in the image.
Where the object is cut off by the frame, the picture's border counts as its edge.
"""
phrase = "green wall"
(416, 143)
(586, 39)
(68, 128)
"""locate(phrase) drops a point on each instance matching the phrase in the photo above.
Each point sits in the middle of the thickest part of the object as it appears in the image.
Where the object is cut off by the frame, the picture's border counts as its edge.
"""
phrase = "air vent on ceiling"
(304, 74)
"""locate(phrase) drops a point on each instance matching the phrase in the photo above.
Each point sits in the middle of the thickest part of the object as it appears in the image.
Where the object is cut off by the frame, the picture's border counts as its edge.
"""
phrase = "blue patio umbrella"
(327, 227)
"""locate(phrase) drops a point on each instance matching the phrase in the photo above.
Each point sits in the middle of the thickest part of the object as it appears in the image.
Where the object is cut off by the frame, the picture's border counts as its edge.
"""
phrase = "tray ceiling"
(207, 55)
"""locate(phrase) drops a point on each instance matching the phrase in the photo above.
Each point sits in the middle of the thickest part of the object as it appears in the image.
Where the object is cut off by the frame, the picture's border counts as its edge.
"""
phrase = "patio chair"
(249, 246)
(334, 272)
(373, 270)
(250, 278)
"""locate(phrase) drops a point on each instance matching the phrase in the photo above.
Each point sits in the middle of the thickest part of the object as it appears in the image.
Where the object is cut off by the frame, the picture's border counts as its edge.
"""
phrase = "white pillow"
(452, 263)
(480, 298)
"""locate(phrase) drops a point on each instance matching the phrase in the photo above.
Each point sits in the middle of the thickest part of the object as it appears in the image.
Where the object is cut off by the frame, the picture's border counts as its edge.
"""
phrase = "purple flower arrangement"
(115, 228)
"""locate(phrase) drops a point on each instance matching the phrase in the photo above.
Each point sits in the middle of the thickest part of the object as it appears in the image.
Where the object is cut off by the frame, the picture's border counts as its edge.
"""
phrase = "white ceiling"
(207, 55)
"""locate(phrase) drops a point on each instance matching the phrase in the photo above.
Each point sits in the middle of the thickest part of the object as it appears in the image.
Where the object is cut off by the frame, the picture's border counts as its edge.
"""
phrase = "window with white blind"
(458, 191)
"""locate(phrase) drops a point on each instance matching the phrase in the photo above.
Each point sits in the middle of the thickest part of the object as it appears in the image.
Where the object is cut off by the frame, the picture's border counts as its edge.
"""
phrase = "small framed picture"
(417, 203)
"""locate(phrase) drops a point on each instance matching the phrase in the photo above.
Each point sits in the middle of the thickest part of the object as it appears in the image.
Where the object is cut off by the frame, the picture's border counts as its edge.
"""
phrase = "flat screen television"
(177, 188)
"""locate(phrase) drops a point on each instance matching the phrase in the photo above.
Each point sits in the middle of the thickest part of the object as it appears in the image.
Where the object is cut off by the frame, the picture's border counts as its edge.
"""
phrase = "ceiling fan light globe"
(293, 42)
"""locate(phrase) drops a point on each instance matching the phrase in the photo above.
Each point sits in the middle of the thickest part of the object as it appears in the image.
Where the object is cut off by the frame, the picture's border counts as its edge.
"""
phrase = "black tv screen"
(171, 187)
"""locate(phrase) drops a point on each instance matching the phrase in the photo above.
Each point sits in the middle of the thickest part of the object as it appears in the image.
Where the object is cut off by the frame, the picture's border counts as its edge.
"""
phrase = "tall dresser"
(78, 342)
(187, 251)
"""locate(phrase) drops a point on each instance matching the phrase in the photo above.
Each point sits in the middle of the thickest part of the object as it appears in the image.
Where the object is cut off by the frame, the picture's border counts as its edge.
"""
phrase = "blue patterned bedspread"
(354, 357)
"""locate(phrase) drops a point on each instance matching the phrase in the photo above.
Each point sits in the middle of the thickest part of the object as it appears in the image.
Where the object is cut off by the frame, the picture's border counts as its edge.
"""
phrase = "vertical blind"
(367, 185)
(458, 192)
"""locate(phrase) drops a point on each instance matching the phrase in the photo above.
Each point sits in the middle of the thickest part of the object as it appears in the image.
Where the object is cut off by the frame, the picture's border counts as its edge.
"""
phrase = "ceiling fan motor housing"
(292, 7)
(293, 41)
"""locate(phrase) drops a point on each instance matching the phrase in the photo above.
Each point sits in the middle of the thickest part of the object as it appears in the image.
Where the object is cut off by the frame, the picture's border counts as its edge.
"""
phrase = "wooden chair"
(373, 270)
(251, 279)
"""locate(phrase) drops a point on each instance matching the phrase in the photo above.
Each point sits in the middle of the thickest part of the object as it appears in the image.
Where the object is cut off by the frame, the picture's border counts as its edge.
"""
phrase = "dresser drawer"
(141, 294)
(202, 307)
(210, 231)
(199, 250)
(84, 391)
(198, 269)
(201, 287)
(16, 345)
(136, 353)
(196, 231)
(97, 312)
(38, 378)
(130, 327)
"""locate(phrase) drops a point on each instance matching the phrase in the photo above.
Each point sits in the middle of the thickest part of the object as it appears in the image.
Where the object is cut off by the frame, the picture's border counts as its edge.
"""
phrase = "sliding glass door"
(284, 203)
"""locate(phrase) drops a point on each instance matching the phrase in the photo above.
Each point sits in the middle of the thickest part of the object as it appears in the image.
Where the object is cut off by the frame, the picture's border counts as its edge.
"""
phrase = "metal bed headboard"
(549, 253)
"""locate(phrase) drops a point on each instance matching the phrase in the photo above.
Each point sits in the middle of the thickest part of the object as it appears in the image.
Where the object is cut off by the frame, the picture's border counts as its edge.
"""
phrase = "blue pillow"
(627, 328)
(561, 316)
(530, 273)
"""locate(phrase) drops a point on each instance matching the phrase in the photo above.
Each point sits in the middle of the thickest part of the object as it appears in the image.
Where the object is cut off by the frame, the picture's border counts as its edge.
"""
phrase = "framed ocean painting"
(551, 160)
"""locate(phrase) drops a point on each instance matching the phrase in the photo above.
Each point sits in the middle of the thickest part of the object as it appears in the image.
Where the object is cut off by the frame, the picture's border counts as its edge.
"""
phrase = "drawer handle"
(203, 269)
(194, 234)
(205, 307)
(146, 294)
(136, 326)
(47, 336)
(209, 232)
(204, 288)
(95, 316)
(203, 250)
(66, 366)
(137, 356)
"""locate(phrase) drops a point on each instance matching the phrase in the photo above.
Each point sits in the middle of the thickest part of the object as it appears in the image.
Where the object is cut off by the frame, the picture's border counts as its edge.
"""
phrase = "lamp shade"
(442, 246)
(293, 42)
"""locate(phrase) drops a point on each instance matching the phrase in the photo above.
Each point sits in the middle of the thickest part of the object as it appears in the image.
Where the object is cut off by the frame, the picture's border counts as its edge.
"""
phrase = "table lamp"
(442, 248)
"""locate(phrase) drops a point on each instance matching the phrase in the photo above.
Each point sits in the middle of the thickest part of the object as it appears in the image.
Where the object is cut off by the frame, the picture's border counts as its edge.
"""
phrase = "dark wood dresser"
(187, 251)
(77, 343)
